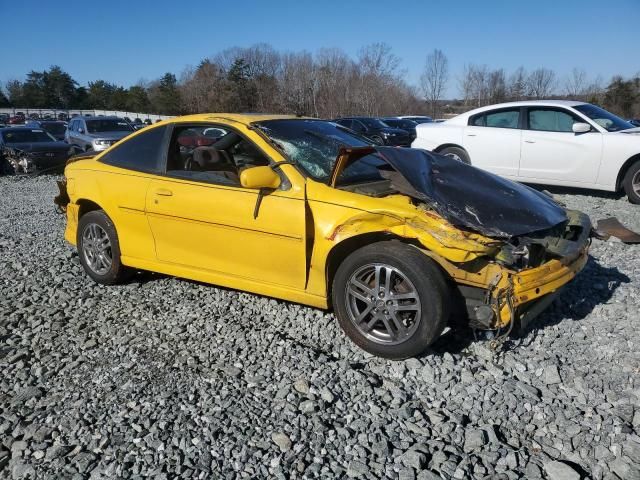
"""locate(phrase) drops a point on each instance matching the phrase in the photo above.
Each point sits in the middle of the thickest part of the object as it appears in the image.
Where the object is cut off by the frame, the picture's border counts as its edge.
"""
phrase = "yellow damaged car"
(398, 241)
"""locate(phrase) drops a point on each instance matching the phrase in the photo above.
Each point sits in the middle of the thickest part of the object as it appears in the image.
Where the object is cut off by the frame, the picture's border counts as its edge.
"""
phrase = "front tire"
(456, 153)
(391, 299)
(98, 248)
(631, 183)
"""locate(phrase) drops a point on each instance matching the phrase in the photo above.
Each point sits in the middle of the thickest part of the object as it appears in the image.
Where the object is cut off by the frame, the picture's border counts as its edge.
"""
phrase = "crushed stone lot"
(167, 378)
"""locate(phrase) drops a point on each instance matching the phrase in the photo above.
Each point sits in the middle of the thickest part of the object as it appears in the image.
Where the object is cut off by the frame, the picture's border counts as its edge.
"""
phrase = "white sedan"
(551, 142)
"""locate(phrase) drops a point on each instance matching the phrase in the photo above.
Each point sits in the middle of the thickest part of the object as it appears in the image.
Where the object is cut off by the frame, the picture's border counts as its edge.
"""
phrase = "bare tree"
(517, 88)
(434, 78)
(475, 85)
(377, 59)
(541, 82)
(496, 86)
(576, 83)
(299, 84)
(595, 91)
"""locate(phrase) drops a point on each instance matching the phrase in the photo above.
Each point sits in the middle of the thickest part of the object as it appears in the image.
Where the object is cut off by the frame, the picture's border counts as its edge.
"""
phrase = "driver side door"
(205, 220)
(552, 152)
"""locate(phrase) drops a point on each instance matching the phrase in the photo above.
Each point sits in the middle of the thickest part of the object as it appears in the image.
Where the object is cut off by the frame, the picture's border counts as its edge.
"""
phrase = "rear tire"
(391, 300)
(456, 153)
(99, 250)
(631, 183)
(377, 140)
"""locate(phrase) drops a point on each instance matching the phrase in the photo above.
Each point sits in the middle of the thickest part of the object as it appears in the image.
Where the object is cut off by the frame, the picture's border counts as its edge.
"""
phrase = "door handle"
(529, 141)
(471, 134)
(164, 192)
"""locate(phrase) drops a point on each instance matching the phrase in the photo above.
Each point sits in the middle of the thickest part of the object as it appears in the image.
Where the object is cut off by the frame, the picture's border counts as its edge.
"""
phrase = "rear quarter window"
(497, 119)
(143, 153)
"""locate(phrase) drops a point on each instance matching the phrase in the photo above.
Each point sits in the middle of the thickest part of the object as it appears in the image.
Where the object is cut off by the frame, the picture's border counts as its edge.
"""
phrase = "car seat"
(209, 159)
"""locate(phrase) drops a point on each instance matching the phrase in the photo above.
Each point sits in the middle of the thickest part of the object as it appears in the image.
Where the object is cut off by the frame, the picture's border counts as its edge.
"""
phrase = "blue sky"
(125, 41)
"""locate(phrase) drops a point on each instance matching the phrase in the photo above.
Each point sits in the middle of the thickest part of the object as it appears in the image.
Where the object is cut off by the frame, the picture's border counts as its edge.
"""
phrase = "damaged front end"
(507, 248)
(18, 161)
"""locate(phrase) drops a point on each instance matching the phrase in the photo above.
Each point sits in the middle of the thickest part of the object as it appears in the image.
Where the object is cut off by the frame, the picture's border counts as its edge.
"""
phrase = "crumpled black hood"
(470, 197)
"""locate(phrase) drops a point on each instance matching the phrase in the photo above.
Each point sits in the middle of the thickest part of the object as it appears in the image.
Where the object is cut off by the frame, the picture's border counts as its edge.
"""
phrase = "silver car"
(96, 133)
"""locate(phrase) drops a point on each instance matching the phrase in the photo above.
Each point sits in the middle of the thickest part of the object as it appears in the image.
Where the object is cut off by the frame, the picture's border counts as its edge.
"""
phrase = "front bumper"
(527, 287)
(497, 297)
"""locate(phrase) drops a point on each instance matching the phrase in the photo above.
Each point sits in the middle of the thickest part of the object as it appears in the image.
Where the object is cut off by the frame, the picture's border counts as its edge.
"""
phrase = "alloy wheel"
(635, 183)
(383, 304)
(96, 248)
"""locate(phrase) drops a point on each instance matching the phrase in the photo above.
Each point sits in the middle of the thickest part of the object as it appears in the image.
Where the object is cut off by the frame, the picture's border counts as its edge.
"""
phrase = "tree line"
(327, 83)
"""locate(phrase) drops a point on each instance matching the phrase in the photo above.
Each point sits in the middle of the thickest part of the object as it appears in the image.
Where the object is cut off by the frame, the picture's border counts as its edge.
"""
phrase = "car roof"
(524, 103)
(96, 117)
(242, 118)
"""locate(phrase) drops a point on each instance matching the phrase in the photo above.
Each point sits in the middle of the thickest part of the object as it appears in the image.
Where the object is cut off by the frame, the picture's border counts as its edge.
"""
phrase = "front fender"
(434, 233)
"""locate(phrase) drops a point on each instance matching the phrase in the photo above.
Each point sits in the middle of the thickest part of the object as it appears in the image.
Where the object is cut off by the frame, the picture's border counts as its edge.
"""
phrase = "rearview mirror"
(259, 177)
(580, 127)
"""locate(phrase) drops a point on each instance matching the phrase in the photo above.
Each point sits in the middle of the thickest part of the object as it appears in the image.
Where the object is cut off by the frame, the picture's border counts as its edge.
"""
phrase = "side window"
(551, 120)
(503, 119)
(358, 126)
(478, 121)
(142, 152)
(345, 123)
(211, 154)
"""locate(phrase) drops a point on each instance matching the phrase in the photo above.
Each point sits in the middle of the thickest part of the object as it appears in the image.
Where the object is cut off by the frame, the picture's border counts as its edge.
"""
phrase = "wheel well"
(625, 168)
(446, 145)
(87, 206)
(343, 249)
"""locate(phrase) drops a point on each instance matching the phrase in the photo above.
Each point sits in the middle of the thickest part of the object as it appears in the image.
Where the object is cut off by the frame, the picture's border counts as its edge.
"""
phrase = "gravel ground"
(167, 378)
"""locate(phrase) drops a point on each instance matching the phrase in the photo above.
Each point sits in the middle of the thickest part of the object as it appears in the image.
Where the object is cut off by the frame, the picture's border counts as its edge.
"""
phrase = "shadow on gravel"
(594, 286)
(142, 276)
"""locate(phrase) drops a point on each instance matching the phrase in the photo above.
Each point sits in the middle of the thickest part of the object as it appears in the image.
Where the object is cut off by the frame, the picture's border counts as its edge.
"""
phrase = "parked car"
(308, 211)
(376, 130)
(635, 122)
(147, 121)
(55, 128)
(17, 119)
(30, 150)
(550, 142)
(96, 133)
(137, 123)
(63, 117)
(418, 119)
(403, 124)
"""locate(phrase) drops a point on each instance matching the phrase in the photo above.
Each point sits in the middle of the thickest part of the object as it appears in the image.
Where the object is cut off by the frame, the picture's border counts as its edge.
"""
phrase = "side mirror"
(580, 127)
(81, 130)
(259, 177)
